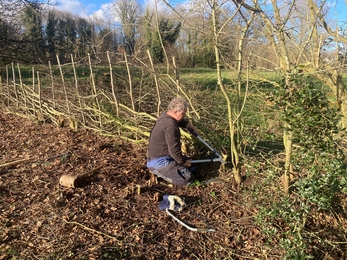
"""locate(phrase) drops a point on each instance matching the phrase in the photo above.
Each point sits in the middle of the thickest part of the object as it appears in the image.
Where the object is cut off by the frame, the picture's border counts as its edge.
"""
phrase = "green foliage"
(169, 31)
(33, 27)
(156, 49)
(200, 51)
(205, 78)
(114, 253)
(108, 39)
(11, 253)
(308, 113)
(195, 183)
(84, 31)
(50, 34)
(313, 122)
(288, 213)
(321, 176)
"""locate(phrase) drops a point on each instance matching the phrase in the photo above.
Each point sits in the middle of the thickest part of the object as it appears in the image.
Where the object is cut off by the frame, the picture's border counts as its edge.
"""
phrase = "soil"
(113, 212)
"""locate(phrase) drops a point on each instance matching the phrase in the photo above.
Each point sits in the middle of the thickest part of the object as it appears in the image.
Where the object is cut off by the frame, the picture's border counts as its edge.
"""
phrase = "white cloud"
(151, 4)
(168, 6)
(88, 9)
(105, 13)
(72, 6)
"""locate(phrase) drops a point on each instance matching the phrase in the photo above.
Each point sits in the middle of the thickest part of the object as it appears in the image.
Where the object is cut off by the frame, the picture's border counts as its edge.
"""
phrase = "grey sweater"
(165, 139)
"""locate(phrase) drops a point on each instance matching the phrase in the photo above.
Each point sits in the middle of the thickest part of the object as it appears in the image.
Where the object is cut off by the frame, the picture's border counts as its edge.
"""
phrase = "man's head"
(177, 108)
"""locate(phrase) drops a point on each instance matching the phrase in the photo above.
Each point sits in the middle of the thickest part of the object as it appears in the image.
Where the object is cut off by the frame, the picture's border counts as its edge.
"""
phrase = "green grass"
(205, 77)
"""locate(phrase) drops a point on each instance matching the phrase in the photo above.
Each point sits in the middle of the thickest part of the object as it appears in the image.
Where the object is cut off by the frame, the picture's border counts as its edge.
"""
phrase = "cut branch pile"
(128, 110)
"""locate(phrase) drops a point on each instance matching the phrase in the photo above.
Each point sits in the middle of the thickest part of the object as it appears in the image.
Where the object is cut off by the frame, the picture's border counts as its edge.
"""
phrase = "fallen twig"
(89, 229)
(14, 163)
(57, 155)
(83, 175)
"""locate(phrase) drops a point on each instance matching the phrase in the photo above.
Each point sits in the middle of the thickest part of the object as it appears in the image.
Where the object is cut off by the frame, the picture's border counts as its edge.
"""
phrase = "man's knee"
(178, 177)
(184, 177)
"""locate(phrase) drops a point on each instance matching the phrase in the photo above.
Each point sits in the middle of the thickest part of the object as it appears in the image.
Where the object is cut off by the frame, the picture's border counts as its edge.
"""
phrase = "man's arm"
(172, 137)
(192, 129)
(189, 126)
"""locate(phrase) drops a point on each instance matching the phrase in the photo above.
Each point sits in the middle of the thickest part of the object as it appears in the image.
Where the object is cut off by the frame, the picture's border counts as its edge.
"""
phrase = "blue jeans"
(168, 169)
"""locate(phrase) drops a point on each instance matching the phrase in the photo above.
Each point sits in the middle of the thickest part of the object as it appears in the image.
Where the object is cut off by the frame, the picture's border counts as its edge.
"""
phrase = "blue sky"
(90, 7)
(338, 9)
(100, 8)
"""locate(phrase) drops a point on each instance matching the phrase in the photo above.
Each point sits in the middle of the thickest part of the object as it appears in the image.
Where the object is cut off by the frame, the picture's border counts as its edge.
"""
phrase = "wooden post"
(94, 87)
(64, 87)
(76, 85)
(8, 85)
(21, 85)
(112, 84)
(33, 74)
(14, 84)
(39, 90)
(52, 83)
(130, 81)
(177, 77)
(156, 82)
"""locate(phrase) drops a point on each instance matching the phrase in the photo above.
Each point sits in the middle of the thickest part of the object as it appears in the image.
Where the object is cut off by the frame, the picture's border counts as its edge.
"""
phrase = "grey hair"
(178, 105)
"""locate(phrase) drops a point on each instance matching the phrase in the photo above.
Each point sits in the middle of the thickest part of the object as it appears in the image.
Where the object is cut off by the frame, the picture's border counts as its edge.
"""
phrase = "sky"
(339, 9)
(101, 8)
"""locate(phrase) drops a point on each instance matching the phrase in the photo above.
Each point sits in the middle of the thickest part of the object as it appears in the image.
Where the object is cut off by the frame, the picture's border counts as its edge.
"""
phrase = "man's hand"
(188, 163)
(192, 129)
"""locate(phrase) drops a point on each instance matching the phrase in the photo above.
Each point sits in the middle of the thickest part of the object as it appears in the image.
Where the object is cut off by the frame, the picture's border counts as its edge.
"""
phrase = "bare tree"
(295, 33)
(334, 67)
(216, 28)
(128, 12)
